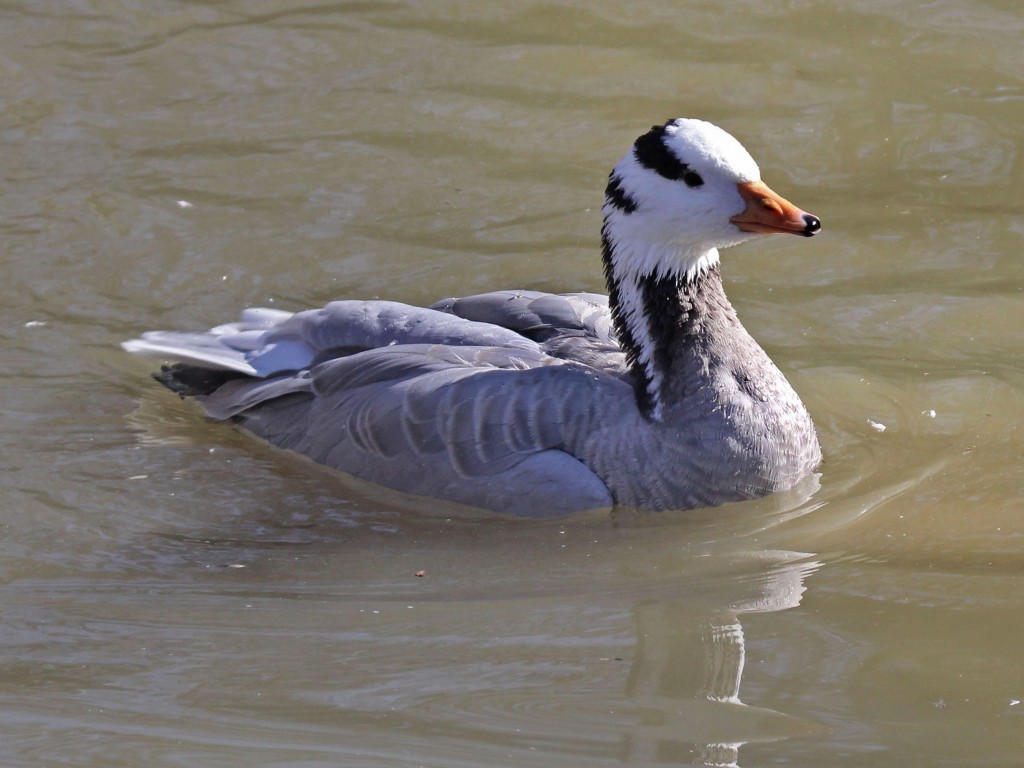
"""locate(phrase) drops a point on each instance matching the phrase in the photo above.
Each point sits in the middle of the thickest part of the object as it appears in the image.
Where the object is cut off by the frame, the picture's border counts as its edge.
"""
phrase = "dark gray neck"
(665, 324)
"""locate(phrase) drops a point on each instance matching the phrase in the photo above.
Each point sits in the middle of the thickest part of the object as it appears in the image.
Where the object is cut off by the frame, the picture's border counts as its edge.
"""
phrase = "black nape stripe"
(652, 153)
(663, 305)
(617, 196)
(611, 280)
(666, 315)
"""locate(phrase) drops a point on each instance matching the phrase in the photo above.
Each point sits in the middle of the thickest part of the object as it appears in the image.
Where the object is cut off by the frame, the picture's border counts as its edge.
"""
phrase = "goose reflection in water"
(685, 681)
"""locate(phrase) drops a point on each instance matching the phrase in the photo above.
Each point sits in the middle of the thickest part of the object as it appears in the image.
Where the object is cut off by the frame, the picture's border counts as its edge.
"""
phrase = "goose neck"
(662, 315)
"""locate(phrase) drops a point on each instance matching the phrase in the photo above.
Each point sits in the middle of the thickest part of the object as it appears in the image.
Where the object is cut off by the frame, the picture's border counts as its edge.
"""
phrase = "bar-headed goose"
(536, 403)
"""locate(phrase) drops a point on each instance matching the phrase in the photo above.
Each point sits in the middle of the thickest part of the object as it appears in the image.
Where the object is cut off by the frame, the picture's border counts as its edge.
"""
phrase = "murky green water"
(175, 593)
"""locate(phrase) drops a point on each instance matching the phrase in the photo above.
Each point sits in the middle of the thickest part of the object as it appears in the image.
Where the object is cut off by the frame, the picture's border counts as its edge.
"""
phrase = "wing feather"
(267, 342)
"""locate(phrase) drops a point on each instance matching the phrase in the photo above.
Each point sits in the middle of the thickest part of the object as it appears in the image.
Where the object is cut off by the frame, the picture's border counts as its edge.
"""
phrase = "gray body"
(431, 403)
(534, 403)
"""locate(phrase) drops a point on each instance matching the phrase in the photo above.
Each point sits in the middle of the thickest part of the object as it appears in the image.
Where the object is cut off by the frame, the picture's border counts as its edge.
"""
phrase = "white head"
(686, 189)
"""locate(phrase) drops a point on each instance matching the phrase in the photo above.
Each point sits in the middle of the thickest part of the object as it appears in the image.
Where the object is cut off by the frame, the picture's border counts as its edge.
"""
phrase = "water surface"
(175, 593)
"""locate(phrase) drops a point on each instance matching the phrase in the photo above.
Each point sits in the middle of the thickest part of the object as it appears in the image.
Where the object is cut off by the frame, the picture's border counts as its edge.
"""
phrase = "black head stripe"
(652, 153)
(617, 196)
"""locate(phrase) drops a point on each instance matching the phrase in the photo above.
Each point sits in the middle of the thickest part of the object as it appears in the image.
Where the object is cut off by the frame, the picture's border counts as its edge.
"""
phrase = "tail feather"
(194, 381)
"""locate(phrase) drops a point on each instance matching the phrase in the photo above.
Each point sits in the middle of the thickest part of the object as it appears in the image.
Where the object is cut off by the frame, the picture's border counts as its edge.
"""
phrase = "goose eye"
(692, 179)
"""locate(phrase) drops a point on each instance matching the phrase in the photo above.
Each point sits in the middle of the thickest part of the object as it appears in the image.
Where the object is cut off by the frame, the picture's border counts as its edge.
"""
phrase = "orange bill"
(768, 213)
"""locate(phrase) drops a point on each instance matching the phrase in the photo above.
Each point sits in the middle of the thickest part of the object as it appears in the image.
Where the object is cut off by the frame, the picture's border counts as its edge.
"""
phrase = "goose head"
(686, 189)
